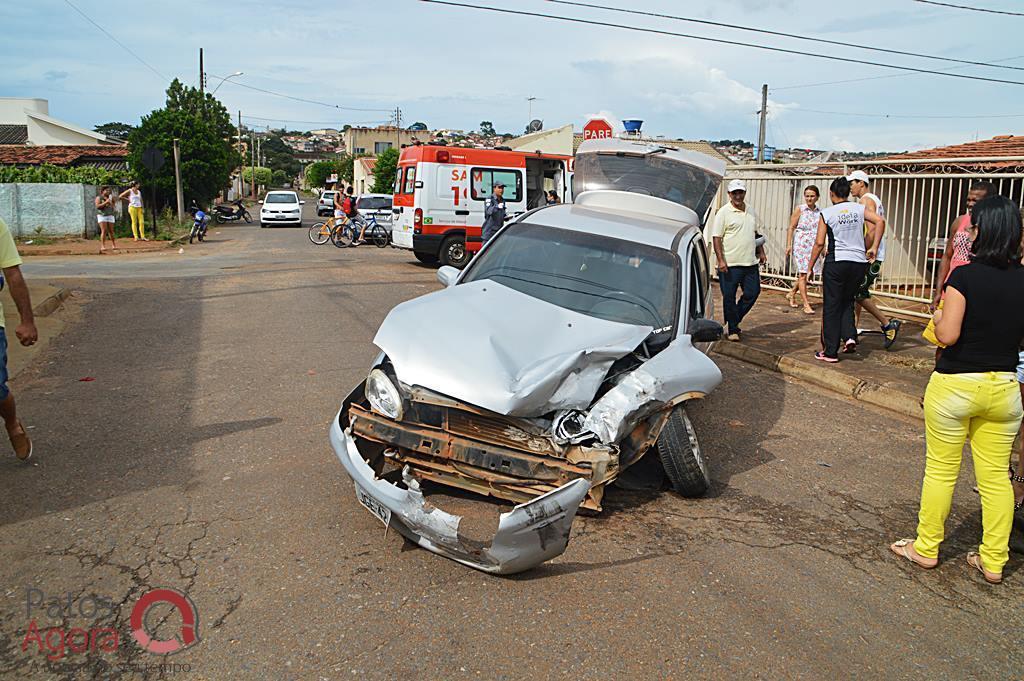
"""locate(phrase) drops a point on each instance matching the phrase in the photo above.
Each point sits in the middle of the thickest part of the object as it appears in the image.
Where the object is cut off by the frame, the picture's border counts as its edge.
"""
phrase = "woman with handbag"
(974, 390)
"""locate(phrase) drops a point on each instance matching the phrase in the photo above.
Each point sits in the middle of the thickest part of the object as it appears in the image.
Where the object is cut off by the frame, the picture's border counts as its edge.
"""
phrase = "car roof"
(289, 193)
(375, 196)
(643, 224)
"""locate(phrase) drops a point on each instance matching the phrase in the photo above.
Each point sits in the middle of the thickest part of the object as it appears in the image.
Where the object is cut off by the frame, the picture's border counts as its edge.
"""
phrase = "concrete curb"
(50, 304)
(850, 386)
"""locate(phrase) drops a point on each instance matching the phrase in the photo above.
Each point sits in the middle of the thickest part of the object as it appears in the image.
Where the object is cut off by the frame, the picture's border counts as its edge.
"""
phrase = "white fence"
(922, 198)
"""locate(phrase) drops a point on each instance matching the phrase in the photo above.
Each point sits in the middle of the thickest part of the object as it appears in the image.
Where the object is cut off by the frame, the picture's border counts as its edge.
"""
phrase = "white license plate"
(373, 506)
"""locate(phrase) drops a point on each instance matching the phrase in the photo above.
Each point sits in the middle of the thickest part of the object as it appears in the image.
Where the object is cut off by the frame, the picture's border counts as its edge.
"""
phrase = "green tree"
(280, 156)
(114, 129)
(279, 178)
(317, 172)
(203, 128)
(384, 171)
(263, 175)
(487, 128)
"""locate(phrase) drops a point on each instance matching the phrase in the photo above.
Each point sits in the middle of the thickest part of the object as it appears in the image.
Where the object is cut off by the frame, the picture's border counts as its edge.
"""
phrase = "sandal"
(974, 560)
(808, 309)
(791, 297)
(903, 548)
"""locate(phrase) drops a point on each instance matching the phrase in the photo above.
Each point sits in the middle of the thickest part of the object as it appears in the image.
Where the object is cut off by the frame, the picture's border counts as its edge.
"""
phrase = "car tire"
(681, 455)
(453, 252)
(425, 258)
(263, 225)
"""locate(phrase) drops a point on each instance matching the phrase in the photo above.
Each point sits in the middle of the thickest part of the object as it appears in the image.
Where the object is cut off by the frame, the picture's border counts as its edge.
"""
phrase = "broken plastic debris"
(181, 250)
(28, 242)
(826, 465)
(86, 379)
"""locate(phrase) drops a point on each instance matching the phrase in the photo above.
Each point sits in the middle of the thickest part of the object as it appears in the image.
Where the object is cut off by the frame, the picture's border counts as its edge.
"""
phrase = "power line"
(888, 75)
(873, 115)
(605, 24)
(973, 9)
(764, 31)
(123, 46)
(286, 120)
(301, 99)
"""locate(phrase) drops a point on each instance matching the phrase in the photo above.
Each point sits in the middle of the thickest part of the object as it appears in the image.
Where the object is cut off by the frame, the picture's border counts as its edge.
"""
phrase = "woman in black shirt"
(974, 390)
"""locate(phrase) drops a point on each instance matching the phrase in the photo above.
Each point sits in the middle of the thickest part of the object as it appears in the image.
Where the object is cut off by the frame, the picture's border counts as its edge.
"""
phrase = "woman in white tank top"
(134, 196)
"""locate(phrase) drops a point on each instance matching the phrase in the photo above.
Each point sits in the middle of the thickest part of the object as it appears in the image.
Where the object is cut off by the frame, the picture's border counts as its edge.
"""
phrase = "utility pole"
(398, 128)
(252, 153)
(202, 74)
(764, 123)
(241, 159)
(177, 182)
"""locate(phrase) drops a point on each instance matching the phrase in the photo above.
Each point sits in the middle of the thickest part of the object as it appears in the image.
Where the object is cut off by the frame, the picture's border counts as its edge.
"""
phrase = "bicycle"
(346, 235)
(322, 232)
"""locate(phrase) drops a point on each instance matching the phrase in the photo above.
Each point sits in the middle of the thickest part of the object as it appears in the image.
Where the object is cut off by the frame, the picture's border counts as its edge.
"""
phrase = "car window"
(698, 279)
(280, 198)
(374, 203)
(599, 276)
(398, 181)
(651, 175)
(410, 180)
(482, 182)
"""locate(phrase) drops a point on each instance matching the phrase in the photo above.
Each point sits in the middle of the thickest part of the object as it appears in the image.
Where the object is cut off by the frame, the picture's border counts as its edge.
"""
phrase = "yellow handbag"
(929, 331)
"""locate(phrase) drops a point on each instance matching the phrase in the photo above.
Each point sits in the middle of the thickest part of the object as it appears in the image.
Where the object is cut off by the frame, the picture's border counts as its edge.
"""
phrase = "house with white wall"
(28, 121)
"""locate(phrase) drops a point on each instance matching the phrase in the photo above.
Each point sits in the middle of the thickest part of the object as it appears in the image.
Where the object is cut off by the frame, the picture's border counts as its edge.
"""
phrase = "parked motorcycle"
(231, 212)
(200, 221)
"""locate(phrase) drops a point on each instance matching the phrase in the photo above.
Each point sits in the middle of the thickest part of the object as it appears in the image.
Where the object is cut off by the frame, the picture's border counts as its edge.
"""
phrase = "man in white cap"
(734, 232)
(859, 182)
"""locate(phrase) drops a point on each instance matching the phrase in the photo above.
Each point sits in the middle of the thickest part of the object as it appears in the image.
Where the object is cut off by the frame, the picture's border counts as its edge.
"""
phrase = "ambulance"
(440, 192)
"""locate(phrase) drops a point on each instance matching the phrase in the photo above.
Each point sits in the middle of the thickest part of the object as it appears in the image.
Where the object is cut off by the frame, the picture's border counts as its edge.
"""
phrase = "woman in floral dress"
(803, 228)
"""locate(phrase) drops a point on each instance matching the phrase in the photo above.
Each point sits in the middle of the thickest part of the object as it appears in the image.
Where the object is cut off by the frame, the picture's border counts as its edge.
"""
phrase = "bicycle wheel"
(380, 236)
(342, 237)
(320, 233)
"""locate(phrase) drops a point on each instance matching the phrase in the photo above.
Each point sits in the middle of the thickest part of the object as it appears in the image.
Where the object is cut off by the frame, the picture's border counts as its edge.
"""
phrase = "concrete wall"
(59, 209)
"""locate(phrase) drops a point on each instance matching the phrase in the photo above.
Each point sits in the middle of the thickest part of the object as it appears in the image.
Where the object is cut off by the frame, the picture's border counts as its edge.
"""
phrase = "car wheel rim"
(456, 252)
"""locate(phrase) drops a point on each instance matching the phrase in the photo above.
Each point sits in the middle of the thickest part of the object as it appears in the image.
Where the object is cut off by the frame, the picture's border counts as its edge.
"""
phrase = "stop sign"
(596, 129)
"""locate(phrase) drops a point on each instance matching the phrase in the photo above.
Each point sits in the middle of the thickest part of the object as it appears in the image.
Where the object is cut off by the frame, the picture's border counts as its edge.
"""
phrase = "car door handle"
(462, 212)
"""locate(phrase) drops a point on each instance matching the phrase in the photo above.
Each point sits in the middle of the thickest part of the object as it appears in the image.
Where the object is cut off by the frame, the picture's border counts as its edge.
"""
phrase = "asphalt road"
(198, 459)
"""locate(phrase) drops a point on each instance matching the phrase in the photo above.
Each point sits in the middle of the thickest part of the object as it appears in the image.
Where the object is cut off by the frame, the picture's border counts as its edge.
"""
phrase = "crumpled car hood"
(491, 346)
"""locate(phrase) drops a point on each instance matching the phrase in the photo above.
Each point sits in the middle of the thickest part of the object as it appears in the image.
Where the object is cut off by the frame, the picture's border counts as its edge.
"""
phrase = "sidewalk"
(784, 339)
(46, 300)
(91, 247)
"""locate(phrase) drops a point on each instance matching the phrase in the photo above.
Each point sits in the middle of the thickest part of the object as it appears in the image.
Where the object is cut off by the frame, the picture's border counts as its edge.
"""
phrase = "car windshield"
(281, 198)
(650, 174)
(374, 203)
(613, 279)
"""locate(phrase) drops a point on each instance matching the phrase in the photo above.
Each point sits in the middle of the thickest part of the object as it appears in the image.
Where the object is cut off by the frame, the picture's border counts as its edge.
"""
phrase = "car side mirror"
(705, 330)
(448, 274)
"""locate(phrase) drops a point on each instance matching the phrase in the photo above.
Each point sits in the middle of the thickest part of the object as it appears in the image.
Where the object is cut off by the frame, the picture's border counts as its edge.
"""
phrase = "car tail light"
(417, 221)
(443, 156)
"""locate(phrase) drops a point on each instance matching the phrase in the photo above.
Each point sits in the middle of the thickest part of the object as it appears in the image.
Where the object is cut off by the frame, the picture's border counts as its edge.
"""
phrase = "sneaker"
(891, 330)
(821, 356)
(733, 336)
(850, 346)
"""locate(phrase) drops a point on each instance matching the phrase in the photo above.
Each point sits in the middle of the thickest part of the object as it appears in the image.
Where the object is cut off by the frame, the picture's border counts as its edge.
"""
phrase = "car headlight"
(383, 395)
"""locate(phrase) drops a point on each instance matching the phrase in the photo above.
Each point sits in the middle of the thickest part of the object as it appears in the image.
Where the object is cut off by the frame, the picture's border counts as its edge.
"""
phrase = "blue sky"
(452, 67)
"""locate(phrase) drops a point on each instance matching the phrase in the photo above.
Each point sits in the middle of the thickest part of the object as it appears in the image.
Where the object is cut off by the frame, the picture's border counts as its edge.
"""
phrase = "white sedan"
(281, 208)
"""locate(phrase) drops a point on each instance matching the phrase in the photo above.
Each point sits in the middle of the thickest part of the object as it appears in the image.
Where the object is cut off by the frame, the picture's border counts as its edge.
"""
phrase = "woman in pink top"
(958, 246)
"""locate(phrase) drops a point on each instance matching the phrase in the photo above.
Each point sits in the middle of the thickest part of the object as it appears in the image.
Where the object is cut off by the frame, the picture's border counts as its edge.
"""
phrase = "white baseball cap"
(736, 186)
(859, 175)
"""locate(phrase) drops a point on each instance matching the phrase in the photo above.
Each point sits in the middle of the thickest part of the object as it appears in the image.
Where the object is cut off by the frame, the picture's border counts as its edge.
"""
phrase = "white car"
(281, 208)
(325, 205)
(377, 205)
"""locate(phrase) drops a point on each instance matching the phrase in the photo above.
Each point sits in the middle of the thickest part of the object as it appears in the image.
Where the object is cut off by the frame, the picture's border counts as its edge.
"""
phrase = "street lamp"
(225, 79)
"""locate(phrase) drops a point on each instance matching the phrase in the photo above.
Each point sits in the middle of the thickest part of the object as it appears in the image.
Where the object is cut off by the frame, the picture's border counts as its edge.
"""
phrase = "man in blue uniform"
(494, 212)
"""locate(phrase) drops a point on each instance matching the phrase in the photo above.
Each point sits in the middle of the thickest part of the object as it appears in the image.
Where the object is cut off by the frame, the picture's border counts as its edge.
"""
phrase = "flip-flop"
(974, 560)
(901, 548)
(23, 438)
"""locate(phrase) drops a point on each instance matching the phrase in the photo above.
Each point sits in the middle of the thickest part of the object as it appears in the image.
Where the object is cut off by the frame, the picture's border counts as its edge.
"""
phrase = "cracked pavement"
(198, 459)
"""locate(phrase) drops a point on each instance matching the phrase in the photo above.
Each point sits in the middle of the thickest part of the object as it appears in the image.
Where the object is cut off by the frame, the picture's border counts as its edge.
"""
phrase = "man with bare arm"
(859, 182)
(10, 265)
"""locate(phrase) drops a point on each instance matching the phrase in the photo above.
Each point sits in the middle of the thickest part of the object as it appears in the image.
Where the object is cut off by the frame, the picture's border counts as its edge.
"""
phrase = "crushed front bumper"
(528, 535)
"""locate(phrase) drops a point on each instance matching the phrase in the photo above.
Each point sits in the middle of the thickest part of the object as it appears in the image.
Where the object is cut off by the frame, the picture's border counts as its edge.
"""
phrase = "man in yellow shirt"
(10, 264)
(734, 233)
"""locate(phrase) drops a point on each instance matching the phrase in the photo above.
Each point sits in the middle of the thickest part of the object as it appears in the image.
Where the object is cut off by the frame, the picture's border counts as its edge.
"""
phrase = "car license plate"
(373, 506)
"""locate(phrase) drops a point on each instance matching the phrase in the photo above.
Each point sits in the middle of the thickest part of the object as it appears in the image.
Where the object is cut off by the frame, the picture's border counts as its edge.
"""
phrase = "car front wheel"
(681, 455)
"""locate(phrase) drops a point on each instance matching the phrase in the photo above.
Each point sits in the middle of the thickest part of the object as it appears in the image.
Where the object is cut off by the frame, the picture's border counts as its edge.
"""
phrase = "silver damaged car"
(567, 348)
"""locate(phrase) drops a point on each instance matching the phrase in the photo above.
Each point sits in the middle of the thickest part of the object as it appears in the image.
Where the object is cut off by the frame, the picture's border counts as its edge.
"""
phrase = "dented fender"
(678, 369)
(528, 535)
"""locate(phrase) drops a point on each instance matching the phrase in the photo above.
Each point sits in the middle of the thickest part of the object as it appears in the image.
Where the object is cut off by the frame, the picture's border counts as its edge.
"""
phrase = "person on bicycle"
(352, 213)
(339, 209)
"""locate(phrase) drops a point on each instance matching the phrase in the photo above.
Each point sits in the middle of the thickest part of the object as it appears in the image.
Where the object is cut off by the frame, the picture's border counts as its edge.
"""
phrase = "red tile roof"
(60, 155)
(368, 164)
(1001, 145)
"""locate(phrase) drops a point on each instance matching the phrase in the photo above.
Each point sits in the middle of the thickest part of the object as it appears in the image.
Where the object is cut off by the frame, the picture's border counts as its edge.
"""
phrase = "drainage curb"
(51, 303)
(850, 386)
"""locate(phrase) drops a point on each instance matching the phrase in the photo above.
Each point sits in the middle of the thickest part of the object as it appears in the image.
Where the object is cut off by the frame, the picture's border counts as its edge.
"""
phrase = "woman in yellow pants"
(134, 196)
(974, 391)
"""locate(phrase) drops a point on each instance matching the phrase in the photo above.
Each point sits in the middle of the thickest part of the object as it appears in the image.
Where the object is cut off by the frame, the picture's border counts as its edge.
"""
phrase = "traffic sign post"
(597, 129)
(153, 159)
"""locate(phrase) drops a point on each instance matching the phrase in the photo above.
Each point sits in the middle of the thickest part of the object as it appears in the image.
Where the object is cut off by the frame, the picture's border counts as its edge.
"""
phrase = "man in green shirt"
(10, 265)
